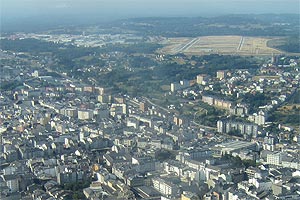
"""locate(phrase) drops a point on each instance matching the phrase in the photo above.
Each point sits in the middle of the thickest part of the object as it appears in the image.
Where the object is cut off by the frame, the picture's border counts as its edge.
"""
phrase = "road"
(158, 106)
(186, 46)
(204, 127)
(240, 44)
(193, 122)
(147, 99)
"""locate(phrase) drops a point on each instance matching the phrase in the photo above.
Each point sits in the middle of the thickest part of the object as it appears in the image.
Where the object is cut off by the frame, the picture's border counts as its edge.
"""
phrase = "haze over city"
(59, 12)
(149, 100)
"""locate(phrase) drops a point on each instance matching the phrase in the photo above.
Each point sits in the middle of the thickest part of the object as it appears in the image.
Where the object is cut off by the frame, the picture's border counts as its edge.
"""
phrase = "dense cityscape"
(87, 114)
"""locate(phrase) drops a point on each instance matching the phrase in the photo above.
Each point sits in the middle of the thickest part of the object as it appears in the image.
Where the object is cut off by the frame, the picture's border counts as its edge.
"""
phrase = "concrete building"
(189, 196)
(99, 90)
(202, 79)
(214, 101)
(260, 118)
(104, 98)
(221, 74)
(274, 158)
(165, 187)
(239, 110)
(35, 73)
(143, 106)
(85, 114)
(12, 182)
(71, 112)
(178, 121)
(88, 89)
(208, 99)
(179, 86)
(65, 174)
(118, 109)
(234, 146)
(221, 103)
(249, 129)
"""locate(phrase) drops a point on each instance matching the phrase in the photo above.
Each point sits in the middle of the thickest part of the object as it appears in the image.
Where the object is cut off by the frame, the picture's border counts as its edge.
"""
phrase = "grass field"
(288, 115)
(289, 108)
(219, 44)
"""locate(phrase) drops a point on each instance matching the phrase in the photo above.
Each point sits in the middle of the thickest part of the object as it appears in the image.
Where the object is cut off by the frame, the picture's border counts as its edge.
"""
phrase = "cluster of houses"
(112, 146)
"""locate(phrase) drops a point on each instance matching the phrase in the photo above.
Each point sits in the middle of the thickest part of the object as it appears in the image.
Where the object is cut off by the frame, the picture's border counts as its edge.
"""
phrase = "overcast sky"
(22, 10)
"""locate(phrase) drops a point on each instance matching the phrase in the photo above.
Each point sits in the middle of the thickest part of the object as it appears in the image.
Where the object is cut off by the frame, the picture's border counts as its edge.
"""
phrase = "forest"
(147, 74)
(246, 25)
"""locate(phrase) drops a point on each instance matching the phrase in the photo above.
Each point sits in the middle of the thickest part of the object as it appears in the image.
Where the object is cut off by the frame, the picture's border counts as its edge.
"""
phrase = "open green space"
(289, 113)
(290, 44)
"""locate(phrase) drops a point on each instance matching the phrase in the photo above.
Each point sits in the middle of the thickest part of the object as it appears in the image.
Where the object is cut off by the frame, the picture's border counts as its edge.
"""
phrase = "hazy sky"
(123, 8)
(60, 10)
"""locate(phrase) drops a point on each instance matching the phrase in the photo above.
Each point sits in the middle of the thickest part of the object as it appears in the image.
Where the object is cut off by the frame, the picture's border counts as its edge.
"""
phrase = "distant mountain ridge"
(248, 25)
(234, 24)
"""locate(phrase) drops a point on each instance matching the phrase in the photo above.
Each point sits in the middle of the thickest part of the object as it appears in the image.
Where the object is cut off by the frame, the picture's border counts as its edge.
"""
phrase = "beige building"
(189, 196)
(104, 98)
(274, 158)
(164, 187)
(85, 114)
(143, 106)
(202, 78)
(88, 89)
(208, 99)
(221, 74)
(99, 90)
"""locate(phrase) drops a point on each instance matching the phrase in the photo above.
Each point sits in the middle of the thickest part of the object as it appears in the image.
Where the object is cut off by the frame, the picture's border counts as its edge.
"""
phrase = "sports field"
(219, 44)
